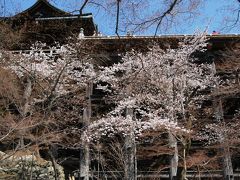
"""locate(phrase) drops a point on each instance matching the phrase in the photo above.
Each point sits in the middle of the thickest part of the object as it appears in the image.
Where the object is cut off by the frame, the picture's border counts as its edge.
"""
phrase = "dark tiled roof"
(40, 3)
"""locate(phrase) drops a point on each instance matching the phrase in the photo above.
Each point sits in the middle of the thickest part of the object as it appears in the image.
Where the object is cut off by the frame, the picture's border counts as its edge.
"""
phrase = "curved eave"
(64, 18)
(46, 3)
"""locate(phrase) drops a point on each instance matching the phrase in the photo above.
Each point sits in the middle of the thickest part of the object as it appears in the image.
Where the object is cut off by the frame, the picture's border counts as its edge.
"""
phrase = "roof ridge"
(43, 1)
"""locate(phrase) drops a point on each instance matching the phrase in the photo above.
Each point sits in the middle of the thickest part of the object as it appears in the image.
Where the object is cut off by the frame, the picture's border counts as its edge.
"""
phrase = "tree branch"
(83, 6)
(168, 11)
(117, 18)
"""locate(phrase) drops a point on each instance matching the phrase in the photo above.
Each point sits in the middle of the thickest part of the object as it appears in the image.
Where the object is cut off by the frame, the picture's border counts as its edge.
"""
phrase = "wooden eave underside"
(171, 36)
(124, 43)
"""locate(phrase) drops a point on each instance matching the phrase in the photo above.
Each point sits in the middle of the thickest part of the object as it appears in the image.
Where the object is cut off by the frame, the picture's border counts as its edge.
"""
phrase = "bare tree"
(230, 16)
(135, 16)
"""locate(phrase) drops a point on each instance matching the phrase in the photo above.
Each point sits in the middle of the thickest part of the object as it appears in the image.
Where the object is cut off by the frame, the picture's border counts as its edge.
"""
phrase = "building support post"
(130, 169)
(84, 151)
(174, 158)
(227, 162)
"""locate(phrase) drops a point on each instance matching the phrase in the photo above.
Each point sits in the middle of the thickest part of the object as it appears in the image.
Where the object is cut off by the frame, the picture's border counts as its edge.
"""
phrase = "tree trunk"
(26, 97)
(184, 172)
(174, 158)
(26, 107)
(227, 163)
(84, 152)
(130, 169)
(54, 164)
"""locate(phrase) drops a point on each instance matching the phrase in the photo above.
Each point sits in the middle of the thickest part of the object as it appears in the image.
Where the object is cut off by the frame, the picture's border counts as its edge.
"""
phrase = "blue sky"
(211, 15)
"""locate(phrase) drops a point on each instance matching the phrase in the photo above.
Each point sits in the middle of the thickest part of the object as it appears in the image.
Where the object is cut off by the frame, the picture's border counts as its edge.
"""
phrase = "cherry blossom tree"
(158, 90)
(152, 91)
(223, 131)
(49, 97)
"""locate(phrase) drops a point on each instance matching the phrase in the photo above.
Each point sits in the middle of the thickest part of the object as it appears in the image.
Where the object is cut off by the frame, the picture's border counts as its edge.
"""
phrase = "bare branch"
(117, 17)
(83, 6)
(168, 11)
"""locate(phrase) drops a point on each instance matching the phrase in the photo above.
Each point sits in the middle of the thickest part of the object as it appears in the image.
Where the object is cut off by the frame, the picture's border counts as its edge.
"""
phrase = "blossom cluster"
(159, 85)
(64, 68)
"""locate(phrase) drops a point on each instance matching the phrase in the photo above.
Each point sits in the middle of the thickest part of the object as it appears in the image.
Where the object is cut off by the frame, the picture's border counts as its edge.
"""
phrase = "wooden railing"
(147, 175)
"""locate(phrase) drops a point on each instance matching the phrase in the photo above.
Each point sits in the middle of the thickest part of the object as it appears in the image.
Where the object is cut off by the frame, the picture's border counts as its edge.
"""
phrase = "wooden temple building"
(46, 23)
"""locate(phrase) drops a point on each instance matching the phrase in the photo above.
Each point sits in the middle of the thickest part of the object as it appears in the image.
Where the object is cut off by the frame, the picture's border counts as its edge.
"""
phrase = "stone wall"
(28, 166)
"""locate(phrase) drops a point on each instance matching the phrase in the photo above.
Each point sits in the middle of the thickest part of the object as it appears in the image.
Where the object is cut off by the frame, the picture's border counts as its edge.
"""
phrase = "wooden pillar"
(174, 158)
(84, 151)
(227, 162)
(130, 169)
(172, 138)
